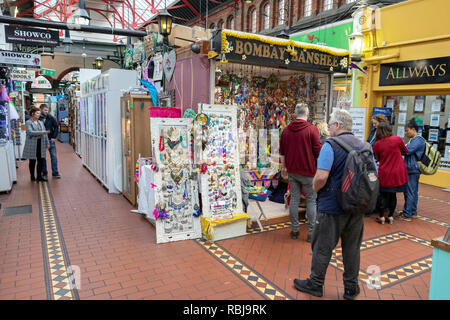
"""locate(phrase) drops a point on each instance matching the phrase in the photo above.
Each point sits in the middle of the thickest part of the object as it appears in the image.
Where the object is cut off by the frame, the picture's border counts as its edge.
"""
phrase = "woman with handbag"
(36, 143)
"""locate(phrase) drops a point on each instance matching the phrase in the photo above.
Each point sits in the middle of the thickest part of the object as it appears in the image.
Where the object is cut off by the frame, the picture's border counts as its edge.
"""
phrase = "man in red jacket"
(299, 148)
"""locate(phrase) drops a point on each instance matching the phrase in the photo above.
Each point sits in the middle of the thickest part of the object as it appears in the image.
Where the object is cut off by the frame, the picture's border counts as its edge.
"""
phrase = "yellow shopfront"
(407, 59)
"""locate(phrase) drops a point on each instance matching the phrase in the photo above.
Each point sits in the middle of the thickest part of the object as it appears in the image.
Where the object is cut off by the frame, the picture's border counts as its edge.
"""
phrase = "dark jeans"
(388, 203)
(40, 161)
(327, 231)
(411, 195)
(53, 160)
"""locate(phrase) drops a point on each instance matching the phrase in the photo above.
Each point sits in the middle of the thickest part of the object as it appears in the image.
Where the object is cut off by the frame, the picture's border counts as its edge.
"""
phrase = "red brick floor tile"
(118, 256)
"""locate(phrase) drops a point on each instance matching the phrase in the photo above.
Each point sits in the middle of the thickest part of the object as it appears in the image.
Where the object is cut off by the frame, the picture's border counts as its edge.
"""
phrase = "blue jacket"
(416, 148)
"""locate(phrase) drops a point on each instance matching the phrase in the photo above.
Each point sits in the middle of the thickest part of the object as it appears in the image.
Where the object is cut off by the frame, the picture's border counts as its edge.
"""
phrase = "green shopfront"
(346, 90)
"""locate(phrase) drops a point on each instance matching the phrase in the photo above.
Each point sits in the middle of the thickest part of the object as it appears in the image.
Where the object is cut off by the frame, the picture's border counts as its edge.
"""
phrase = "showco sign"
(31, 36)
(19, 59)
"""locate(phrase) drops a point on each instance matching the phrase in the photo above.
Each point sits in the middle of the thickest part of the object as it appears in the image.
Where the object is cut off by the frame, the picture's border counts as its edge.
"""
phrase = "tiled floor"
(113, 252)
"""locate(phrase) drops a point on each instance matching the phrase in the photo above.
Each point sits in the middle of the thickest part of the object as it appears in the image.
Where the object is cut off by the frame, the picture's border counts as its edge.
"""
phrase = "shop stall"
(100, 125)
(408, 74)
(265, 77)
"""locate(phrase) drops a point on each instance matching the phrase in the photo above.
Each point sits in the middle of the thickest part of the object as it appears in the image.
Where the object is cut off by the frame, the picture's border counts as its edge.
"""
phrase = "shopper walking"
(391, 171)
(331, 222)
(323, 131)
(416, 148)
(299, 148)
(36, 143)
(51, 125)
(376, 120)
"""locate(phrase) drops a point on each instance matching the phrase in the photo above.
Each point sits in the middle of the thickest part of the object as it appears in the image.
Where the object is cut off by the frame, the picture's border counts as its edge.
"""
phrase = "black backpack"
(360, 184)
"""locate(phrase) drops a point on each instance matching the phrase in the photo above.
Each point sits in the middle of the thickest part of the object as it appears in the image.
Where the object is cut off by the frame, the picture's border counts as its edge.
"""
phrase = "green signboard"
(332, 35)
(48, 72)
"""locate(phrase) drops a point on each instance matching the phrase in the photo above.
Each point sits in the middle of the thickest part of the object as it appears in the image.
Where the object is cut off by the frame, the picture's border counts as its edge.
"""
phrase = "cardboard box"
(183, 35)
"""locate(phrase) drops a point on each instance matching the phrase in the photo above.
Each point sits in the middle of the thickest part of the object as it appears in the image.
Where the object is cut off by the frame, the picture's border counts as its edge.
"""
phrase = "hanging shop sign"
(19, 59)
(48, 72)
(158, 69)
(22, 75)
(261, 50)
(31, 36)
(41, 83)
(426, 71)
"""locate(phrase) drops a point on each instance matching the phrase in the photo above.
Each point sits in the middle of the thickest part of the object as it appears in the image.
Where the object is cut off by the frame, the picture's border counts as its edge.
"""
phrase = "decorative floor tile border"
(394, 275)
(56, 260)
(253, 279)
(431, 198)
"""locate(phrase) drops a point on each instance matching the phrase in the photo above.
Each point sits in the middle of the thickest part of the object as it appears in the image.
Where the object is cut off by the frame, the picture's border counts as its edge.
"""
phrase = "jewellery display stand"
(175, 188)
(100, 125)
(217, 152)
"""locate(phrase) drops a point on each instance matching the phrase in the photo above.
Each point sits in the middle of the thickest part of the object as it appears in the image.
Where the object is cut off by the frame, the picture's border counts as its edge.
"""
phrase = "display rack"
(100, 125)
(217, 153)
(175, 189)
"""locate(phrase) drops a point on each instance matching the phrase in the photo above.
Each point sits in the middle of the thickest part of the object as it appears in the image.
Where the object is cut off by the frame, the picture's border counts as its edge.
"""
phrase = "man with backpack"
(347, 186)
(416, 149)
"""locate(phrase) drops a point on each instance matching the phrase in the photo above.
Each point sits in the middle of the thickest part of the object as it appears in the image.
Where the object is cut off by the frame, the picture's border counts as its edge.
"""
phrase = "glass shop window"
(432, 115)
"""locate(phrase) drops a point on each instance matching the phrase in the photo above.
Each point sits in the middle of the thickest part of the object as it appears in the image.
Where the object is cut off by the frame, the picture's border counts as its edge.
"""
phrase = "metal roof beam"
(70, 26)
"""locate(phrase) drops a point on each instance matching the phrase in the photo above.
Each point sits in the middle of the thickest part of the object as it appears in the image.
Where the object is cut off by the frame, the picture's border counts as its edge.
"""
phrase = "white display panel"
(100, 125)
(175, 185)
(221, 183)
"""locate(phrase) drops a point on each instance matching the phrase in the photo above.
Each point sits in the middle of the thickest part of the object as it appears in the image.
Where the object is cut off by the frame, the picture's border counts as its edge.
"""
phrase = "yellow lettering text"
(316, 58)
(266, 53)
(390, 73)
(309, 57)
(433, 70)
(239, 47)
(441, 67)
(248, 48)
(257, 50)
(274, 54)
(425, 70)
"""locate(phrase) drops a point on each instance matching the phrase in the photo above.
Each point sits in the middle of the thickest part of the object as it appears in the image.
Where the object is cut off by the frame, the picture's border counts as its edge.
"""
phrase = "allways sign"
(31, 36)
(427, 71)
(261, 50)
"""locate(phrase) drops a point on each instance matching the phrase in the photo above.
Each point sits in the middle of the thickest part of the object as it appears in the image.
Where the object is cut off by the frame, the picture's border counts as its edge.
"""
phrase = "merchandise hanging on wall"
(215, 129)
(175, 191)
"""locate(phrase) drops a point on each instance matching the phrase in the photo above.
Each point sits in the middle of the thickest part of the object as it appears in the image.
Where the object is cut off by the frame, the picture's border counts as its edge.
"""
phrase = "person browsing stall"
(51, 125)
(416, 148)
(391, 171)
(36, 143)
(299, 149)
(331, 221)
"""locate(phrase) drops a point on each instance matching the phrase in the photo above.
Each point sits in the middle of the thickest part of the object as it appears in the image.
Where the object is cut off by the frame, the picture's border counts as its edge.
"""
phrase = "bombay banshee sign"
(19, 59)
(254, 49)
(31, 36)
(427, 71)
